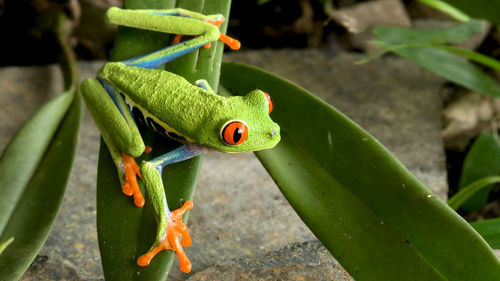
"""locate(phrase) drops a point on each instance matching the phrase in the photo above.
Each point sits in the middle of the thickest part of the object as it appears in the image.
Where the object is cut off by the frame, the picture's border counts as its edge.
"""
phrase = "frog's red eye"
(269, 101)
(234, 132)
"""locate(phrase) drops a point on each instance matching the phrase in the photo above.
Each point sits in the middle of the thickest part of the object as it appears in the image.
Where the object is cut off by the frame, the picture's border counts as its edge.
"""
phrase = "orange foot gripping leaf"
(130, 187)
(232, 43)
(175, 230)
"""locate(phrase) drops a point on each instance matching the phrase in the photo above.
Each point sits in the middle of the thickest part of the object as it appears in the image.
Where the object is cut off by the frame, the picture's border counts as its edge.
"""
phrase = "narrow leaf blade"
(393, 36)
(481, 9)
(5, 244)
(471, 190)
(482, 160)
(446, 8)
(21, 157)
(451, 67)
(490, 230)
(426, 48)
(30, 219)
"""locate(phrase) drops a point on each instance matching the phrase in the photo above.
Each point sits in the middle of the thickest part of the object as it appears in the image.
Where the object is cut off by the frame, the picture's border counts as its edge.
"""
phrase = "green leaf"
(482, 9)
(446, 8)
(482, 160)
(36, 165)
(470, 190)
(393, 36)
(472, 55)
(126, 236)
(422, 46)
(5, 244)
(490, 230)
(34, 172)
(376, 218)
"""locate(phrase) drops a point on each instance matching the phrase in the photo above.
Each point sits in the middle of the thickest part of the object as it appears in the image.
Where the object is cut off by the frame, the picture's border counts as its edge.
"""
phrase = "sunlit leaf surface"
(375, 217)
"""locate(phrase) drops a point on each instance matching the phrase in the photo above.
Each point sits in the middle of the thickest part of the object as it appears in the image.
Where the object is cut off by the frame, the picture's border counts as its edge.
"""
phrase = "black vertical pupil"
(236, 135)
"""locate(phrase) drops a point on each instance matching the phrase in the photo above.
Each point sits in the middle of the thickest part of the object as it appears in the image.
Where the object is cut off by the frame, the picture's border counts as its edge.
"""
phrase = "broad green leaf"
(372, 214)
(482, 160)
(490, 230)
(481, 9)
(446, 8)
(425, 47)
(125, 232)
(33, 178)
(470, 190)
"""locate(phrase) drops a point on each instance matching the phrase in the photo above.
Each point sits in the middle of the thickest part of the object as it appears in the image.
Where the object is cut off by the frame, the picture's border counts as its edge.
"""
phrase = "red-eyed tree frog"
(134, 91)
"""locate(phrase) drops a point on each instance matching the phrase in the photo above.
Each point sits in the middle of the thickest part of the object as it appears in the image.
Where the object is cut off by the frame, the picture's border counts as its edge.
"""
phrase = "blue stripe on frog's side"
(113, 94)
(169, 14)
(154, 63)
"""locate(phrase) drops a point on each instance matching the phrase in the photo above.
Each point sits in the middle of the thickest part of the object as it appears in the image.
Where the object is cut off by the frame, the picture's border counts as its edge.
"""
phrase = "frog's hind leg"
(175, 21)
(119, 132)
(170, 227)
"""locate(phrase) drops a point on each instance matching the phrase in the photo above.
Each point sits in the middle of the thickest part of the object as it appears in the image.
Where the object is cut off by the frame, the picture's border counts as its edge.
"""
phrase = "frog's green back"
(193, 112)
(167, 96)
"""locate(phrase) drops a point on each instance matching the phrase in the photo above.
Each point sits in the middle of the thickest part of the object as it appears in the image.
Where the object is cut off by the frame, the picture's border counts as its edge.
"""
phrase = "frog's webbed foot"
(232, 43)
(170, 227)
(172, 240)
(130, 186)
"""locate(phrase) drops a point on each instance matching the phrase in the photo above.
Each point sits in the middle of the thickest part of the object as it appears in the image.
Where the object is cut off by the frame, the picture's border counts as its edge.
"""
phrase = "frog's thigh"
(109, 119)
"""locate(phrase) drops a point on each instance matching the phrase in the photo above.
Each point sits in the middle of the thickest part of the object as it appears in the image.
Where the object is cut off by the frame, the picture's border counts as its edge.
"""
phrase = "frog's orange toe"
(186, 267)
(177, 39)
(131, 187)
(232, 43)
(216, 22)
(139, 200)
(145, 259)
(175, 230)
(127, 189)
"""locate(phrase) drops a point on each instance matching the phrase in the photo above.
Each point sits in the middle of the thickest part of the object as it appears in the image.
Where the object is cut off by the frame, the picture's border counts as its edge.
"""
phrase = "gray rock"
(306, 261)
(23, 90)
(393, 99)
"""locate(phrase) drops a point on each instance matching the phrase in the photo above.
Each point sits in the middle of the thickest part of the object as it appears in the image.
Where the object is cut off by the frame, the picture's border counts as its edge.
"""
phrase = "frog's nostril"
(272, 133)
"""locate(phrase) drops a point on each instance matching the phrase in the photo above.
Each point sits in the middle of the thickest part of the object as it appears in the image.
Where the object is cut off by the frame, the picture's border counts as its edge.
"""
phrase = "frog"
(133, 92)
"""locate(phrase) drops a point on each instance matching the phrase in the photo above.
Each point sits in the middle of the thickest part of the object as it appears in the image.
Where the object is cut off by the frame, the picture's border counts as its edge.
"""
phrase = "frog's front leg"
(119, 132)
(170, 227)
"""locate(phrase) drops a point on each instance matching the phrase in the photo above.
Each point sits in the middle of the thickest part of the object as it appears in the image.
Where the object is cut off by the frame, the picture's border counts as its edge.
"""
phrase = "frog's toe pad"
(127, 189)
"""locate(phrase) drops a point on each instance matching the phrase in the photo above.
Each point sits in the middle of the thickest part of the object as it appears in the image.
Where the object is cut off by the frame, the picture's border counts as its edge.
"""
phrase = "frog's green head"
(242, 124)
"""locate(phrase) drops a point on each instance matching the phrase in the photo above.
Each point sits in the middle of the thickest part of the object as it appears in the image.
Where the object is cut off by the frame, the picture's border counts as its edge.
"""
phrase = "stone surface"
(244, 223)
(373, 13)
(466, 117)
(19, 99)
(306, 261)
